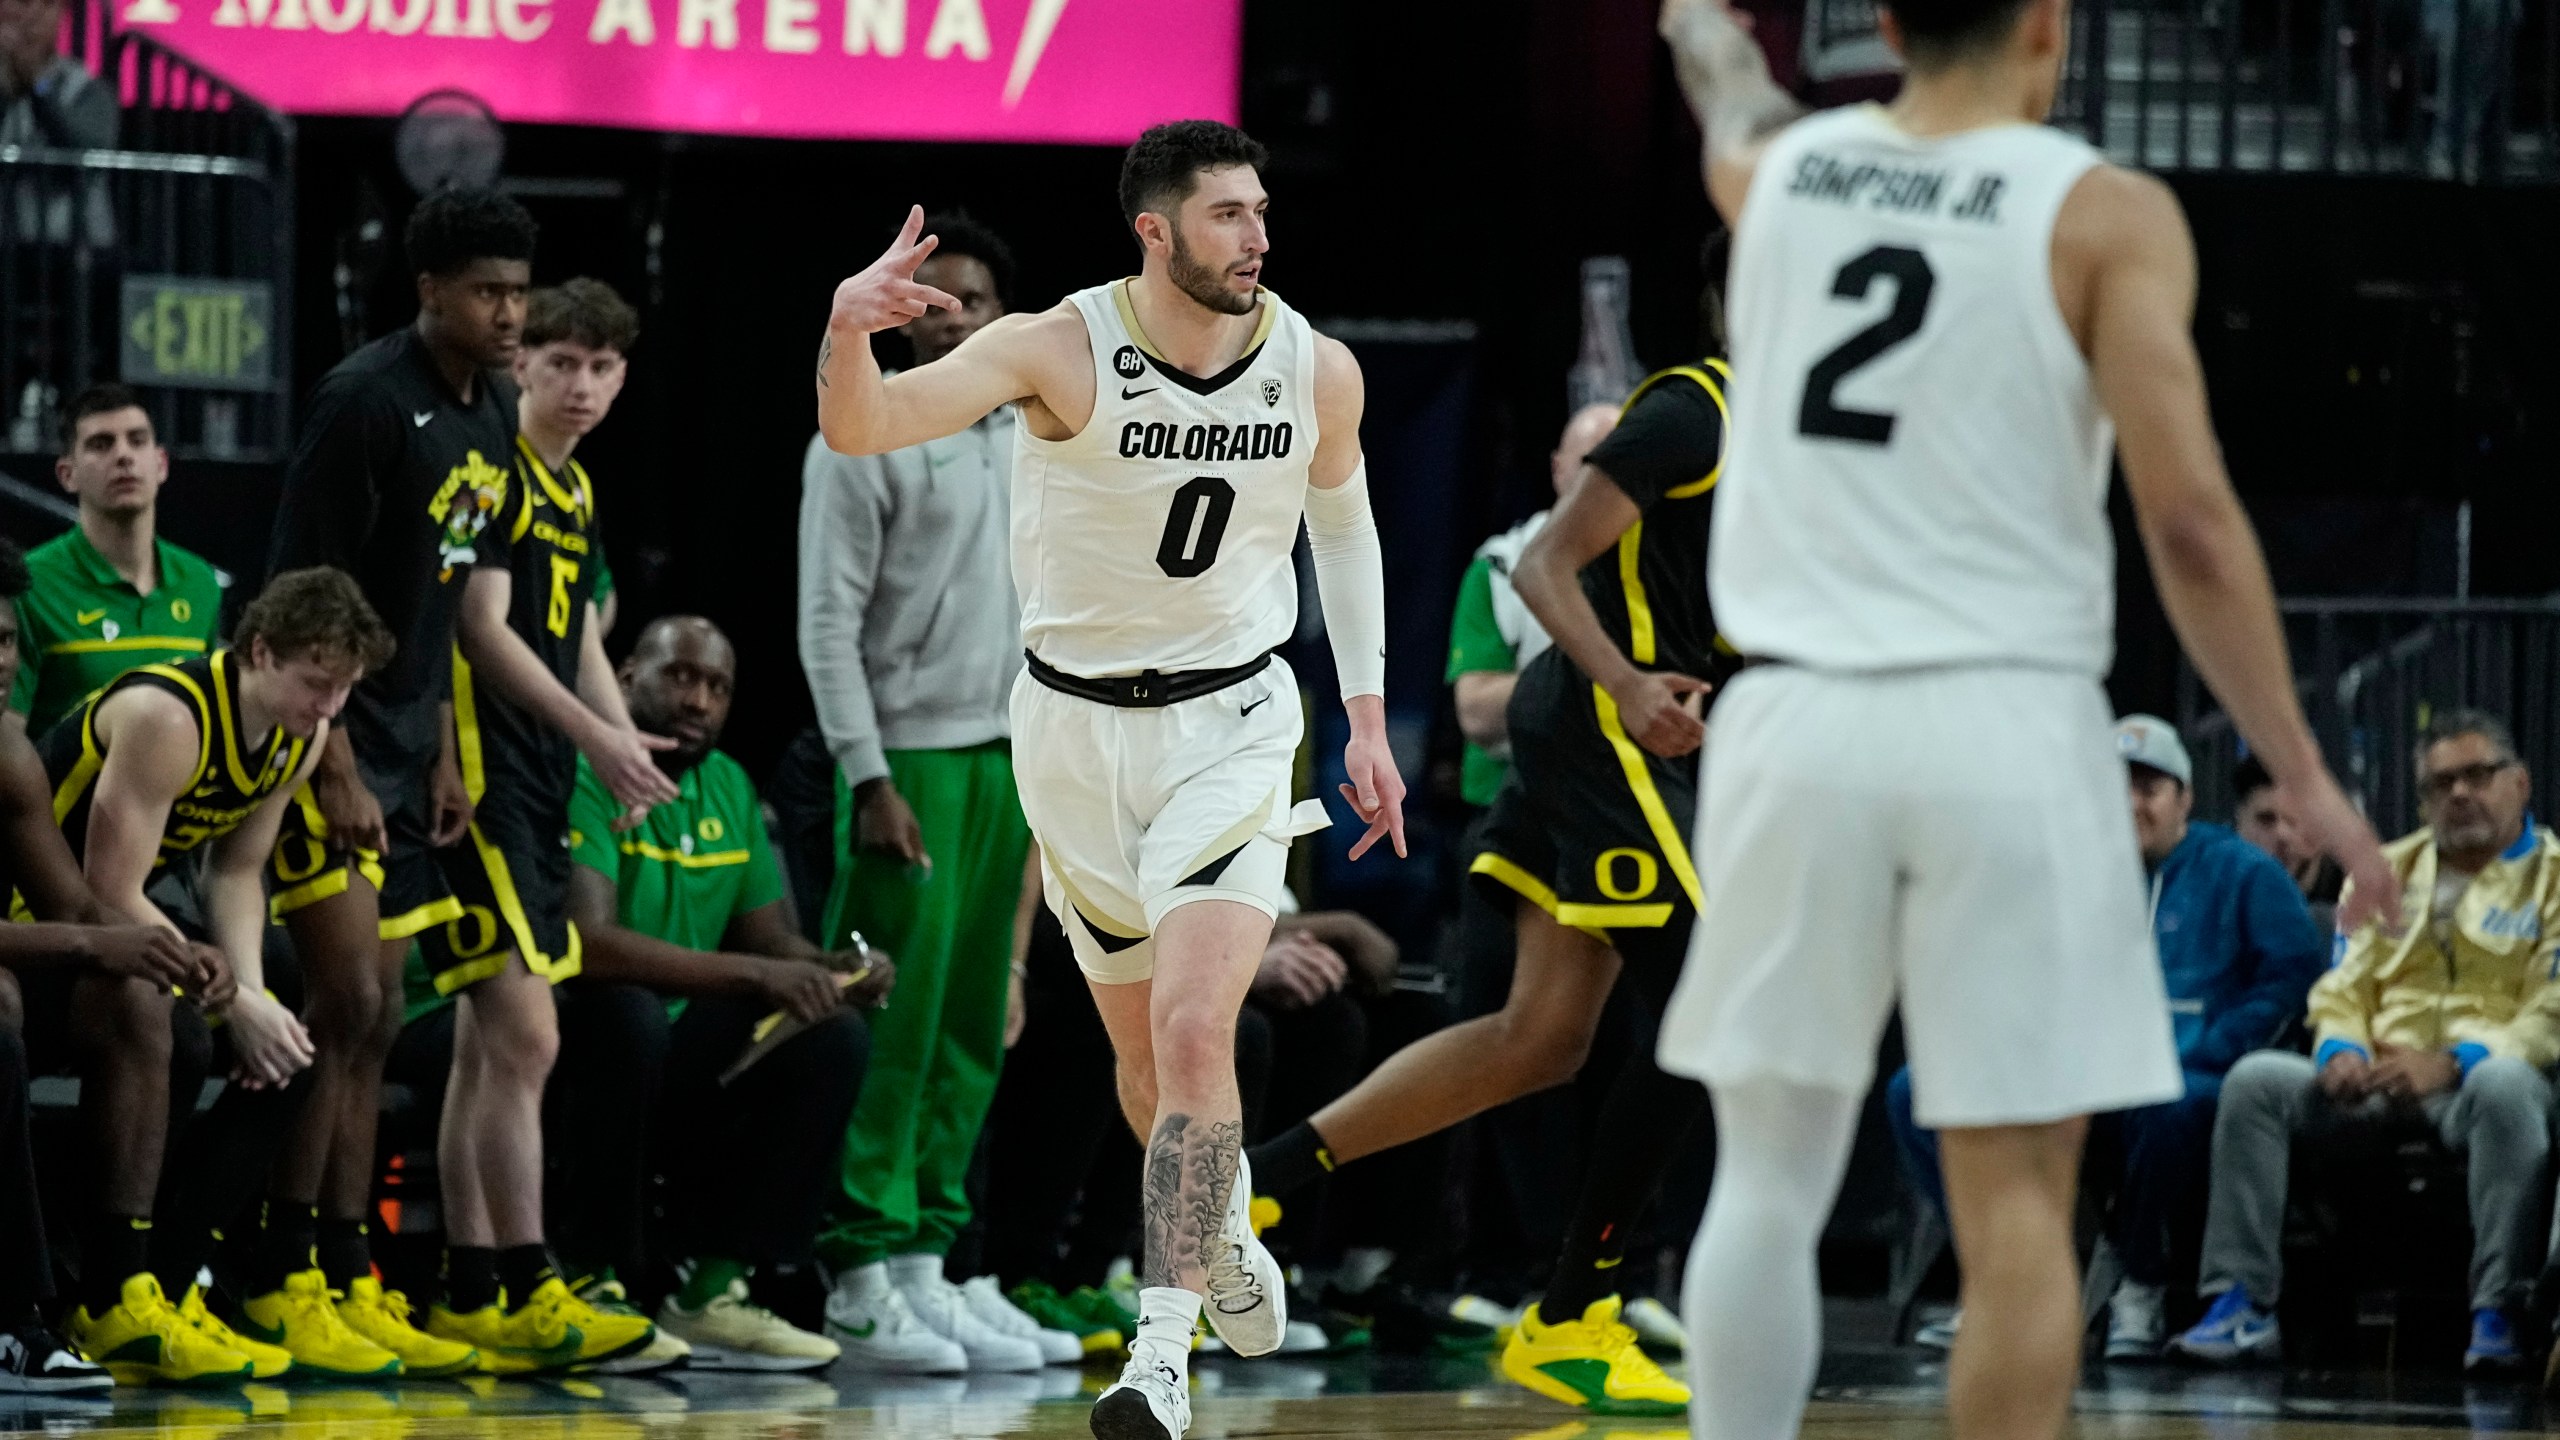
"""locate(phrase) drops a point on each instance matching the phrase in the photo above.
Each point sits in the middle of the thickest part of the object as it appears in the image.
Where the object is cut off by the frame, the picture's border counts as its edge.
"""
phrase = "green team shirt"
(80, 624)
(698, 862)
(1476, 645)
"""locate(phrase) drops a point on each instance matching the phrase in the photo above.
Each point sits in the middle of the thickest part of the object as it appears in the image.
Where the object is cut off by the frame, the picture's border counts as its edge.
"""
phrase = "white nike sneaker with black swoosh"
(1248, 1303)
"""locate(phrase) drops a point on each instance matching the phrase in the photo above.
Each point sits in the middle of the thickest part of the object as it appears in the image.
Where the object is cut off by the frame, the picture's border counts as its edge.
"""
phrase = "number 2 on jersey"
(1197, 524)
(1821, 415)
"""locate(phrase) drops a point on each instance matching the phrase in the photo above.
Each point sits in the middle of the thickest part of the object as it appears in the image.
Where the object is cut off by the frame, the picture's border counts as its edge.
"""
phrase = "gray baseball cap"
(2150, 741)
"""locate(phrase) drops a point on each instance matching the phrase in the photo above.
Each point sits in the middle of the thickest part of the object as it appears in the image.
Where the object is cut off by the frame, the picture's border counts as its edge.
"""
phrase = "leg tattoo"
(1190, 1180)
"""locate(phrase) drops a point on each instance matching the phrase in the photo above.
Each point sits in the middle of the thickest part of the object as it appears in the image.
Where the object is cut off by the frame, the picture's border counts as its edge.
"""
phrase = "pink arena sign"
(1076, 71)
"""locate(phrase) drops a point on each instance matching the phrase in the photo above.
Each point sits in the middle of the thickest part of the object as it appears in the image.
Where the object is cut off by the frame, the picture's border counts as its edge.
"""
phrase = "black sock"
(1644, 1123)
(346, 1256)
(179, 1251)
(113, 1249)
(521, 1271)
(287, 1232)
(470, 1278)
(1290, 1161)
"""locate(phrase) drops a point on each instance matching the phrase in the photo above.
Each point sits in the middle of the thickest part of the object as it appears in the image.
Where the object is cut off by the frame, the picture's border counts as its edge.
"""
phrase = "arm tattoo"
(826, 352)
(1189, 1182)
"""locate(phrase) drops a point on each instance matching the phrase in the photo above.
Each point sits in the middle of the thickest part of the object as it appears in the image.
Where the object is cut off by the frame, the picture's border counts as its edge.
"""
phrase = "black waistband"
(1148, 689)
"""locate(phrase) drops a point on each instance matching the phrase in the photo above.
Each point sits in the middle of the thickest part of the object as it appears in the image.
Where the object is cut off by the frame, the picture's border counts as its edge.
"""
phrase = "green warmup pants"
(937, 1049)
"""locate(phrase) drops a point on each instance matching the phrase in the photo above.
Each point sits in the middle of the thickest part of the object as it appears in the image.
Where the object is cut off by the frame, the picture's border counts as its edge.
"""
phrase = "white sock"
(864, 1282)
(1753, 1301)
(1166, 1318)
(909, 1272)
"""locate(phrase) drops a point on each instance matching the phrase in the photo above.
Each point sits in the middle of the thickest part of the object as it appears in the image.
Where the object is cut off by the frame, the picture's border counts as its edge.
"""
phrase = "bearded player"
(1176, 426)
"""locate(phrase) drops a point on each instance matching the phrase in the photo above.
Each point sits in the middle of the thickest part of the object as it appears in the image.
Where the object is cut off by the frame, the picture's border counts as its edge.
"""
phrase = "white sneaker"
(985, 1299)
(1151, 1400)
(942, 1309)
(870, 1318)
(1654, 1324)
(1248, 1301)
(2136, 1329)
(1939, 1334)
(728, 1333)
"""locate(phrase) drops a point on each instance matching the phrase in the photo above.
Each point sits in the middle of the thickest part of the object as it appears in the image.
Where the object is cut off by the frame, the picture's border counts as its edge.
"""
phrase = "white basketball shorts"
(1138, 811)
(1958, 839)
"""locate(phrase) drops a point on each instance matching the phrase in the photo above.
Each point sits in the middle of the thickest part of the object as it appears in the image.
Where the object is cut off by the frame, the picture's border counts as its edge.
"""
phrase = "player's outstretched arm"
(2123, 241)
(862, 412)
(1342, 537)
(1727, 83)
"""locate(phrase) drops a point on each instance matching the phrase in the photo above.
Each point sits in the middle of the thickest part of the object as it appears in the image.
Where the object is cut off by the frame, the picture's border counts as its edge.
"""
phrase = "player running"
(1948, 313)
(1175, 428)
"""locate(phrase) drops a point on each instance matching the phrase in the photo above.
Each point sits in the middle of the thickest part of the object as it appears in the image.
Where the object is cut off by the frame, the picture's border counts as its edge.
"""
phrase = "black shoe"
(1404, 1320)
(34, 1360)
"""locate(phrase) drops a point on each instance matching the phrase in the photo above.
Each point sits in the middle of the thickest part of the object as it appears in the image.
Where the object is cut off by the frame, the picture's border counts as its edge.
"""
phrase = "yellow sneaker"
(269, 1361)
(1593, 1363)
(1262, 1214)
(304, 1320)
(528, 1341)
(142, 1340)
(382, 1316)
(609, 1334)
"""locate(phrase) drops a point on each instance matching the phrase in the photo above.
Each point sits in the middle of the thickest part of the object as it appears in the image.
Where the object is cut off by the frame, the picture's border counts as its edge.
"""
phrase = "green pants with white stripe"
(937, 1049)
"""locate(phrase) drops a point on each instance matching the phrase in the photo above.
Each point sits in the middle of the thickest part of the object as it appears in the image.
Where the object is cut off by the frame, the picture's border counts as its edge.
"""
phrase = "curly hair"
(960, 233)
(315, 612)
(1162, 169)
(587, 312)
(452, 228)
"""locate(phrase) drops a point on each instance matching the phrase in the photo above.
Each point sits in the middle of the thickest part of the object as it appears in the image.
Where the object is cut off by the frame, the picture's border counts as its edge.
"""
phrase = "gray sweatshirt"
(909, 630)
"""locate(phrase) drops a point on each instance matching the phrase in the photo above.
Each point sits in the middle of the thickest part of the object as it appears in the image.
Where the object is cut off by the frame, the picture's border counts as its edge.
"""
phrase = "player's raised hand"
(1661, 710)
(2338, 830)
(886, 295)
(1376, 791)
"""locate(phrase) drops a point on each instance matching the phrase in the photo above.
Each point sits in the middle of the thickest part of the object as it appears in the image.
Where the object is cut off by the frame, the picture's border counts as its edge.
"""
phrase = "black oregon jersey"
(400, 483)
(234, 774)
(1666, 454)
(554, 548)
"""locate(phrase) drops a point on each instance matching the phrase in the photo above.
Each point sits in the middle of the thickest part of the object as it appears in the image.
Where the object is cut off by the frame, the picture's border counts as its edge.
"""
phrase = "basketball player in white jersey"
(1948, 317)
(1175, 428)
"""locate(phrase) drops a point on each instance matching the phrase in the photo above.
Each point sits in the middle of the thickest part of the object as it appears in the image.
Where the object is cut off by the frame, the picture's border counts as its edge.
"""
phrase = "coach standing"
(911, 638)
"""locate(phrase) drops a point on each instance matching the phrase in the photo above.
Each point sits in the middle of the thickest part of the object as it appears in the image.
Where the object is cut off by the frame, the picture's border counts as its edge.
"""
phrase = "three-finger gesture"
(886, 295)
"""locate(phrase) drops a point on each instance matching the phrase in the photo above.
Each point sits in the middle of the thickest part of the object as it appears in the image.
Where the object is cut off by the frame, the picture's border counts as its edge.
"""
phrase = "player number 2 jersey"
(1158, 537)
(1919, 464)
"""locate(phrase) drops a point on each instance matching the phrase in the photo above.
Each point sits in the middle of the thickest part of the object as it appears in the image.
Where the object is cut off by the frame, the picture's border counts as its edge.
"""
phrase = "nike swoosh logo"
(1256, 705)
(1128, 394)
(91, 617)
(421, 418)
(1608, 1264)
(863, 1331)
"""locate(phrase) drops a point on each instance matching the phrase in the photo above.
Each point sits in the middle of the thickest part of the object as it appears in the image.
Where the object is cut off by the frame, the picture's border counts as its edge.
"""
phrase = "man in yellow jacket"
(2455, 1016)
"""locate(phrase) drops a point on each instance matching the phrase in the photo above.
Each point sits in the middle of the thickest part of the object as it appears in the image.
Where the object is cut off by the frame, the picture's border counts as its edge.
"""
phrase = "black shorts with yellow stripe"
(503, 890)
(1590, 826)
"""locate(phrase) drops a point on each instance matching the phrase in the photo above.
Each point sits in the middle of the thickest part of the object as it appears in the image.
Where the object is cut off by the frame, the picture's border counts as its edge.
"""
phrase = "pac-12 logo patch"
(1129, 362)
(1271, 392)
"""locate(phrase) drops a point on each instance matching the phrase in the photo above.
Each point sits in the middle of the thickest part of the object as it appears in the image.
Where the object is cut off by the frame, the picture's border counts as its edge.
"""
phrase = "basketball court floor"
(1865, 1393)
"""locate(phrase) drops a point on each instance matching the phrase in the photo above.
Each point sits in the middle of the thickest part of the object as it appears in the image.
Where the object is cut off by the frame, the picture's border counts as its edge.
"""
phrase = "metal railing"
(2445, 89)
(196, 196)
(2373, 673)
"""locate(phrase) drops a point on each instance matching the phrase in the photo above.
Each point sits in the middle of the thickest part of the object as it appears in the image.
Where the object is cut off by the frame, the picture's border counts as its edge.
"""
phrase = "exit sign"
(197, 333)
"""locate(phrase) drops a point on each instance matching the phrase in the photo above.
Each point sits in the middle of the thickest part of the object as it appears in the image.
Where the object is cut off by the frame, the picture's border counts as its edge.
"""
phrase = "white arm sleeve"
(1350, 582)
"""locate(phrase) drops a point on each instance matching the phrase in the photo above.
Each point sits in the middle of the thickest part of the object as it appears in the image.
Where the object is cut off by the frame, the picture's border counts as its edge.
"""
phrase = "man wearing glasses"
(2453, 1020)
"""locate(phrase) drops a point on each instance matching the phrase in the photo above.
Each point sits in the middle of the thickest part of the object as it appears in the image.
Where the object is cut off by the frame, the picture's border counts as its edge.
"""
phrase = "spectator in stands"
(910, 636)
(2238, 952)
(2259, 816)
(2451, 1021)
(96, 1000)
(46, 97)
(689, 905)
(109, 593)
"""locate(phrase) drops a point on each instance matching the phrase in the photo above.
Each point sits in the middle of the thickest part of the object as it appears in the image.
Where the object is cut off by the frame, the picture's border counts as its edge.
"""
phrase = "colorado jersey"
(1919, 465)
(234, 773)
(1158, 537)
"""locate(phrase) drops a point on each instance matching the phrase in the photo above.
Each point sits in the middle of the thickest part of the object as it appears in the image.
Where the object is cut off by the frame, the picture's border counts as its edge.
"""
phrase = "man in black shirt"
(1589, 841)
(402, 471)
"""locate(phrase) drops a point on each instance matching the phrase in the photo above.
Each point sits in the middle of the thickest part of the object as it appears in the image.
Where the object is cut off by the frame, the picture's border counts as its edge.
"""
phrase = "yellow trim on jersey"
(466, 730)
(241, 776)
(1614, 917)
(708, 859)
(92, 759)
(83, 770)
(1700, 376)
(1657, 815)
(410, 922)
(193, 644)
(1508, 873)
(1138, 334)
(1639, 611)
(502, 885)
